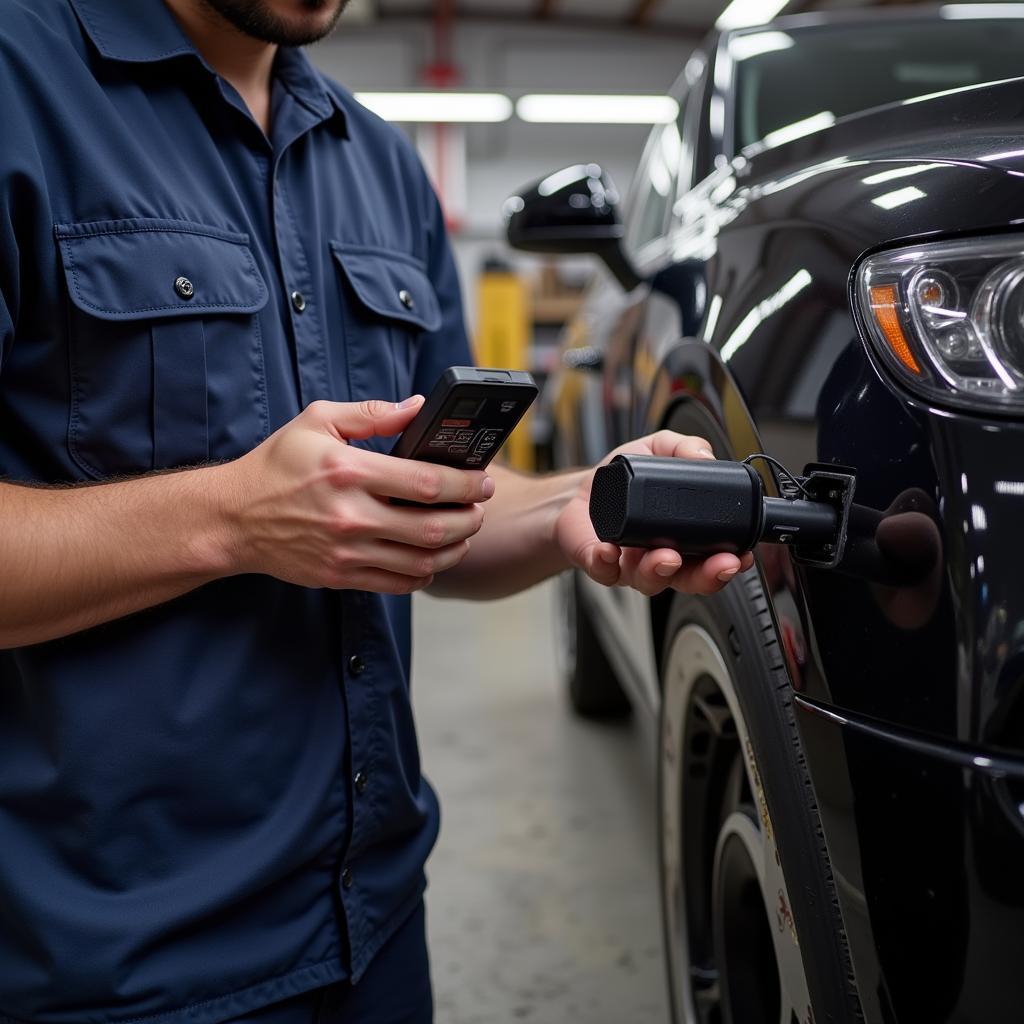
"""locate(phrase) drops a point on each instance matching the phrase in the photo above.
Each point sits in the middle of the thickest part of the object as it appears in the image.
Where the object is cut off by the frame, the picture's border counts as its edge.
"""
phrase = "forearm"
(73, 557)
(516, 545)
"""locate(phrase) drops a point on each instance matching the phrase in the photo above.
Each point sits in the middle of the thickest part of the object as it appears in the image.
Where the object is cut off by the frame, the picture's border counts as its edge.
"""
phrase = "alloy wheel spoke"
(717, 715)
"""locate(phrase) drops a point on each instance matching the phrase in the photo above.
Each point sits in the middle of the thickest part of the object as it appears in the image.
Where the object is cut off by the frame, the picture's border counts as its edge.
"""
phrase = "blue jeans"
(394, 990)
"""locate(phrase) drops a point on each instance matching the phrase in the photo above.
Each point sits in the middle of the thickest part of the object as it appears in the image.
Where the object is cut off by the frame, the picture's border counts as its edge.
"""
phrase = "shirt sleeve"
(17, 140)
(9, 262)
(6, 331)
(9, 259)
(449, 344)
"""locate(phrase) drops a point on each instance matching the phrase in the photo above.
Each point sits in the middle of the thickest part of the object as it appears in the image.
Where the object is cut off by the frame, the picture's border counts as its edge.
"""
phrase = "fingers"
(709, 575)
(655, 571)
(679, 446)
(600, 562)
(359, 420)
(651, 572)
(381, 582)
(426, 528)
(406, 560)
(410, 480)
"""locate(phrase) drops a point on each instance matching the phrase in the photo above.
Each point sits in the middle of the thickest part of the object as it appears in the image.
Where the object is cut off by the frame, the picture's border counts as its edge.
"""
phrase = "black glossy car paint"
(910, 699)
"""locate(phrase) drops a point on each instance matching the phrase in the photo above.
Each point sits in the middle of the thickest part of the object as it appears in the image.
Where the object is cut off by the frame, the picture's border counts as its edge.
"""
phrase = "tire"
(594, 692)
(752, 926)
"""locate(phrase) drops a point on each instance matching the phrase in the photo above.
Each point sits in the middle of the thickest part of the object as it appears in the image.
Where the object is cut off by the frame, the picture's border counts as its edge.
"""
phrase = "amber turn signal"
(883, 306)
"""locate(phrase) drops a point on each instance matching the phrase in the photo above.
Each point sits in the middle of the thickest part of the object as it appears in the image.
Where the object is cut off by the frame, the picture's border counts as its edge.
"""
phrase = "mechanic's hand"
(650, 572)
(309, 508)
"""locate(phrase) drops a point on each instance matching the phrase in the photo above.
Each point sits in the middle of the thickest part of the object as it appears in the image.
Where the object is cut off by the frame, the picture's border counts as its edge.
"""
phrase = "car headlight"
(948, 319)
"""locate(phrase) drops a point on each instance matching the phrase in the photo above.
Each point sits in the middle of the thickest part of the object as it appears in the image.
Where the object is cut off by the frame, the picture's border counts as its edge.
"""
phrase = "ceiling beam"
(641, 12)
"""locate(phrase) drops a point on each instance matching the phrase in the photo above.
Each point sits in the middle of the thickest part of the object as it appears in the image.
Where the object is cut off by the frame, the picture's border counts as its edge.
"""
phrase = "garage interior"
(665, 626)
(544, 898)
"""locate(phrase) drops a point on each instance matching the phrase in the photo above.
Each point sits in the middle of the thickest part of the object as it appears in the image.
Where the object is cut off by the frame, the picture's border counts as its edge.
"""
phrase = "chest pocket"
(388, 302)
(165, 354)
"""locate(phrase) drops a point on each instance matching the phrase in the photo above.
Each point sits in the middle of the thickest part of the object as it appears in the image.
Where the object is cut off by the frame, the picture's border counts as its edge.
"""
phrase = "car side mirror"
(574, 210)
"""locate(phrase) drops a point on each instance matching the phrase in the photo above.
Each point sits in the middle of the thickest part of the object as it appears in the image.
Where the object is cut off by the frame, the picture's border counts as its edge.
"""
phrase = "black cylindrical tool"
(699, 507)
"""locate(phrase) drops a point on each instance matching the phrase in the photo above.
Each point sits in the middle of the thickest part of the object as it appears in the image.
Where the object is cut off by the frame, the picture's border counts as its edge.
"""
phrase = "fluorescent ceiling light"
(439, 107)
(798, 129)
(1008, 155)
(891, 200)
(553, 182)
(982, 11)
(899, 172)
(837, 163)
(953, 92)
(753, 44)
(714, 311)
(764, 309)
(582, 109)
(741, 13)
(716, 117)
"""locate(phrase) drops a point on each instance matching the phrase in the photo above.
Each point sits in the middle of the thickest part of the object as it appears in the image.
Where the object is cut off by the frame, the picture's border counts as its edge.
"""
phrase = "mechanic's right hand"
(309, 508)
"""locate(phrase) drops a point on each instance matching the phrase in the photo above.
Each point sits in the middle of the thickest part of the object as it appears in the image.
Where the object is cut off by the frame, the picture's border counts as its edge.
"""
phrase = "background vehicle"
(841, 754)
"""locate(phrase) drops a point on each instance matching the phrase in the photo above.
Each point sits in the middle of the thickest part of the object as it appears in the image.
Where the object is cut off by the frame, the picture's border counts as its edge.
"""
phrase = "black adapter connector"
(700, 507)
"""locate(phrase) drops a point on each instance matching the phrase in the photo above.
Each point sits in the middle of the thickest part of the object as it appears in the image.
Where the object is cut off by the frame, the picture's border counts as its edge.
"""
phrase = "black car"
(822, 260)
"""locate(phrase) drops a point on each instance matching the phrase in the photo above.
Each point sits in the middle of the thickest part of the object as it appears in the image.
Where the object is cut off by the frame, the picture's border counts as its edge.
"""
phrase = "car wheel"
(752, 926)
(593, 690)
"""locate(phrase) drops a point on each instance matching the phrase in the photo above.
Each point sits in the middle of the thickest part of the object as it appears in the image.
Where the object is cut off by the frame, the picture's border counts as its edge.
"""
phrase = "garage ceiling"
(684, 16)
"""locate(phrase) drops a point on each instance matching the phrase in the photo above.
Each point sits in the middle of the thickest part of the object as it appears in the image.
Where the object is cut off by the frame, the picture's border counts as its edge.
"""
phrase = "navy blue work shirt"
(216, 803)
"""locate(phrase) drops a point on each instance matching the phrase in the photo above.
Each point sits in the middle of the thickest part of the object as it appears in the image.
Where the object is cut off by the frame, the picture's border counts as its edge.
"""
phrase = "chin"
(303, 14)
(286, 22)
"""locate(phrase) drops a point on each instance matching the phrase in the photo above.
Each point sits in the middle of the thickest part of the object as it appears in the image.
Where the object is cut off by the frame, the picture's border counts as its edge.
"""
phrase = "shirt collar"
(145, 31)
(296, 72)
(142, 31)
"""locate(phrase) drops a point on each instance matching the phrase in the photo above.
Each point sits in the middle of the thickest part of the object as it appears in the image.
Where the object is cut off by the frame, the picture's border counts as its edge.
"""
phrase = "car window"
(654, 189)
(812, 76)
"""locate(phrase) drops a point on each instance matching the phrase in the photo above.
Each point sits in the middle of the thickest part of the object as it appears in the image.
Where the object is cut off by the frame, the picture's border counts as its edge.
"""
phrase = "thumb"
(356, 421)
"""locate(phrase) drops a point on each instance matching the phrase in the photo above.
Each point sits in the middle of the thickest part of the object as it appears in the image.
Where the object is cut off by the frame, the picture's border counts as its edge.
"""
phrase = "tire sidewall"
(738, 622)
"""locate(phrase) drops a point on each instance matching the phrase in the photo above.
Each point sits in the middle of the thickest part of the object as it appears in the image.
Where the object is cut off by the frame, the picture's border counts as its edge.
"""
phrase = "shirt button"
(298, 301)
(356, 664)
(406, 299)
(361, 782)
(183, 286)
(346, 878)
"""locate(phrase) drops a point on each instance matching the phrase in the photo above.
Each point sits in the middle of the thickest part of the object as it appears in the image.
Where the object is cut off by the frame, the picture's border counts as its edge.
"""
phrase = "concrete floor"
(543, 900)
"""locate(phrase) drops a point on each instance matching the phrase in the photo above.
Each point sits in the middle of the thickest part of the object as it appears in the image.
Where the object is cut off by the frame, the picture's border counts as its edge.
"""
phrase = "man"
(214, 261)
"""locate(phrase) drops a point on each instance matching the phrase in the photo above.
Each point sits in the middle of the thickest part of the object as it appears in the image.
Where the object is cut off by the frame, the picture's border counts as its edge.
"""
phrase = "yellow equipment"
(503, 342)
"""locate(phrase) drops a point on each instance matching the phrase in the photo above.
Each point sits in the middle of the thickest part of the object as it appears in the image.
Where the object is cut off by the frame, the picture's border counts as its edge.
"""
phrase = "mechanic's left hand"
(650, 572)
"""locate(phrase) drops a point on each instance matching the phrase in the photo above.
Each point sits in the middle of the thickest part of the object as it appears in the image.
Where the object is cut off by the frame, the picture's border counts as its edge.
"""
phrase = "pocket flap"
(390, 284)
(144, 268)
